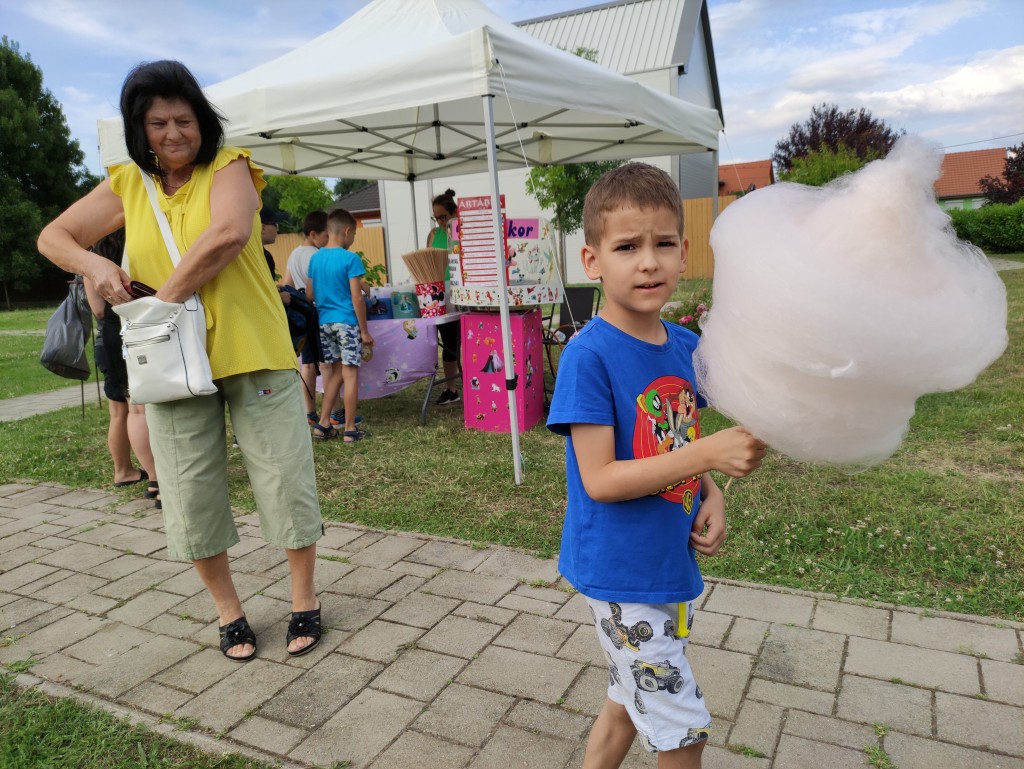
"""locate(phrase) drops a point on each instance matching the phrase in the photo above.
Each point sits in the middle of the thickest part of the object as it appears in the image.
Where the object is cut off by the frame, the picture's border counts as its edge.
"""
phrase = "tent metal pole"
(499, 255)
(415, 223)
(382, 196)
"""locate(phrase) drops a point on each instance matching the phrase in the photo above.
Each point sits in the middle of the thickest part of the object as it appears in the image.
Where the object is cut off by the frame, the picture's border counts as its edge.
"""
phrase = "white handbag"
(164, 343)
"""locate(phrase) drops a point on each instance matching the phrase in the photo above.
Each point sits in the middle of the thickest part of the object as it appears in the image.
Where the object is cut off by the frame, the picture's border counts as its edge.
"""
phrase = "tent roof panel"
(405, 101)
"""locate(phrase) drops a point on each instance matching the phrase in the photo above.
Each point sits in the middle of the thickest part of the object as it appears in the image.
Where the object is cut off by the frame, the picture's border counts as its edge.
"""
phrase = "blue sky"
(951, 70)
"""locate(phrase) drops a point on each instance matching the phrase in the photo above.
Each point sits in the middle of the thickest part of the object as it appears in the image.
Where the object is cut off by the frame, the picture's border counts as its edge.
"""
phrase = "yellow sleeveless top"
(246, 327)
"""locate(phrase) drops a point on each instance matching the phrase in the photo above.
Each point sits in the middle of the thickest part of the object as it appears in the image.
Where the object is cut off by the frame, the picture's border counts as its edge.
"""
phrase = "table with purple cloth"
(404, 352)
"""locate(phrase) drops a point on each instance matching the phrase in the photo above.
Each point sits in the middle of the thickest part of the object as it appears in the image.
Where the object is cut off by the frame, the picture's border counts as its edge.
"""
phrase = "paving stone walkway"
(442, 654)
(24, 406)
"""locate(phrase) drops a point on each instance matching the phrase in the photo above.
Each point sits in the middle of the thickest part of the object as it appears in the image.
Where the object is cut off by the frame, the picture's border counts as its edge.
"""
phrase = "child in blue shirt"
(335, 275)
(640, 500)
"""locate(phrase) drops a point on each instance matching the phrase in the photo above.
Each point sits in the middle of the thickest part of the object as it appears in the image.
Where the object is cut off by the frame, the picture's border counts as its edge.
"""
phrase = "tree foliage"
(1010, 188)
(823, 165)
(343, 187)
(562, 189)
(830, 128)
(41, 171)
(296, 196)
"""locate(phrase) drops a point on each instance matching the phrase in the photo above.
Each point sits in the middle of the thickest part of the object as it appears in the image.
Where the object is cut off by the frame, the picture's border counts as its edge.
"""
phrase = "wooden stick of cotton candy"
(835, 308)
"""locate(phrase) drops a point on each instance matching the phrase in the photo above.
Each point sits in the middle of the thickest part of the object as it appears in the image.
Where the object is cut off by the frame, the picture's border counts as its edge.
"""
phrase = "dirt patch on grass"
(943, 465)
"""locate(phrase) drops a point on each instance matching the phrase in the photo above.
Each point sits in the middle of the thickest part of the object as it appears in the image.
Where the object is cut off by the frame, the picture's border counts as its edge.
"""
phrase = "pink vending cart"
(483, 370)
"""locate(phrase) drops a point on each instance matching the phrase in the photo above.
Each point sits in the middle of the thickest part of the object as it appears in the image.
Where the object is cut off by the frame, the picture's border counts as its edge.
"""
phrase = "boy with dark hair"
(296, 274)
(335, 274)
(641, 501)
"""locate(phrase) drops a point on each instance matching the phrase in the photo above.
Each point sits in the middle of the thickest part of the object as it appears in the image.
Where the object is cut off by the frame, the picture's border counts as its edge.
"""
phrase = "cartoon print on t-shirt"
(666, 419)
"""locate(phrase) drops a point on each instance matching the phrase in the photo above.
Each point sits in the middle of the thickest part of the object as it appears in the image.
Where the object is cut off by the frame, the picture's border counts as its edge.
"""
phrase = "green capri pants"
(189, 444)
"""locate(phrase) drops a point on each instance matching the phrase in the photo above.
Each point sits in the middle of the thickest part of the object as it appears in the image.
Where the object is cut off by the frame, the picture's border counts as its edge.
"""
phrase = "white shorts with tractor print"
(649, 674)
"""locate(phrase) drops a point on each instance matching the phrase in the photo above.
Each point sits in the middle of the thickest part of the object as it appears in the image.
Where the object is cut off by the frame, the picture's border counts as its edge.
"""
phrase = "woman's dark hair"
(168, 80)
(447, 200)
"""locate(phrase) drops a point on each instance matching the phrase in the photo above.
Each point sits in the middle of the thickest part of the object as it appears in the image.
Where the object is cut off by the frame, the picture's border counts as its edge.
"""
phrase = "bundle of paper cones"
(427, 265)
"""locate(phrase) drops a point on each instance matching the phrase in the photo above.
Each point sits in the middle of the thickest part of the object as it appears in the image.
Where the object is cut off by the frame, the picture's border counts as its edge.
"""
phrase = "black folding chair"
(579, 304)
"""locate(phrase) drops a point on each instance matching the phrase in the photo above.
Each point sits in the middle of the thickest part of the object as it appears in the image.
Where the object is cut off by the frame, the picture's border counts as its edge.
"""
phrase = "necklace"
(178, 186)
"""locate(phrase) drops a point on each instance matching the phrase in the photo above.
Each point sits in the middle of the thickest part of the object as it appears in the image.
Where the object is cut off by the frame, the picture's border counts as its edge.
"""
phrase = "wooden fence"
(369, 240)
(697, 215)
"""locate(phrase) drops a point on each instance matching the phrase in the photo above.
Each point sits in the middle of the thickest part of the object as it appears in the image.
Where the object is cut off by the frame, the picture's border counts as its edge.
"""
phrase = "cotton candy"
(835, 308)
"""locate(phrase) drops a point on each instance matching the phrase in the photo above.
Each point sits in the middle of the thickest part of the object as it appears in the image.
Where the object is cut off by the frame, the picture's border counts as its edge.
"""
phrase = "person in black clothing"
(128, 430)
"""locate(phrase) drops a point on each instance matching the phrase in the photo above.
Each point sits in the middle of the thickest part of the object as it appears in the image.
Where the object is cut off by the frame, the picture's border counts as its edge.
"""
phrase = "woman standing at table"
(444, 210)
(211, 195)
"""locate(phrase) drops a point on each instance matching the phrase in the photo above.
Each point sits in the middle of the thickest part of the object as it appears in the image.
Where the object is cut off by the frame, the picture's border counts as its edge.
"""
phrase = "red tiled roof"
(962, 170)
(735, 177)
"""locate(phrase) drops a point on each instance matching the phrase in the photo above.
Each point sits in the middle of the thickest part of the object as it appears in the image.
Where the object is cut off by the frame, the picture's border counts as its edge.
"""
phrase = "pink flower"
(685, 319)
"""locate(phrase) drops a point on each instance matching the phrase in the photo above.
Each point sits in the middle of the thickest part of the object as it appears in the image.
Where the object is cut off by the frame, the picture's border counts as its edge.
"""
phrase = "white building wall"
(698, 172)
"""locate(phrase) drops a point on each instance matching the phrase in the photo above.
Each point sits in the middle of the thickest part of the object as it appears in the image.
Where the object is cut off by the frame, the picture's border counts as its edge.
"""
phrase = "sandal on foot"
(234, 634)
(152, 492)
(304, 624)
(143, 476)
(351, 436)
(312, 418)
(321, 433)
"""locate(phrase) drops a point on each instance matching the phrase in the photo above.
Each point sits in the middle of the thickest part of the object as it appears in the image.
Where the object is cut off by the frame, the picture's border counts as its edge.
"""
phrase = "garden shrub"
(996, 228)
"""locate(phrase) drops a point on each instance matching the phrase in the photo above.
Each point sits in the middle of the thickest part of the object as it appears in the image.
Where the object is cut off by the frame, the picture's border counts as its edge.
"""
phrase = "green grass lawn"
(20, 370)
(39, 731)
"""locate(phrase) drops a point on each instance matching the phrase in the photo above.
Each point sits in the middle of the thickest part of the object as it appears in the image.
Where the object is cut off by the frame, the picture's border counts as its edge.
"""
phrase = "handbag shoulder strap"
(161, 218)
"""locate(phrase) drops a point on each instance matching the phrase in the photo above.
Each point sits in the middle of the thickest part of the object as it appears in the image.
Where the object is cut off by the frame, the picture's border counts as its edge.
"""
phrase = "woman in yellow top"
(211, 196)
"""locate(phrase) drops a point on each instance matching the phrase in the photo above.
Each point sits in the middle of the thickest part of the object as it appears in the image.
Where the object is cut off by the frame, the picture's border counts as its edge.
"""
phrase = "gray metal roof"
(630, 36)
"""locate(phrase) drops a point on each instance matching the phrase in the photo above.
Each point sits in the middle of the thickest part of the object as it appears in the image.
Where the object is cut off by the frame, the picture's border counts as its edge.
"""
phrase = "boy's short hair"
(338, 220)
(634, 184)
(314, 221)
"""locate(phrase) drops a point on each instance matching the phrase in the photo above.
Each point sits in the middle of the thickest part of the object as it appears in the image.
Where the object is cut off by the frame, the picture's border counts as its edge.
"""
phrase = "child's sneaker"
(312, 418)
(448, 397)
(338, 419)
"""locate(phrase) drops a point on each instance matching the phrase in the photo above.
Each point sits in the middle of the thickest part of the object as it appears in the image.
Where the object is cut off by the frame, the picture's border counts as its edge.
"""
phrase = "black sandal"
(304, 624)
(143, 476)
(152, 491)
(235, 633)
(321, 433)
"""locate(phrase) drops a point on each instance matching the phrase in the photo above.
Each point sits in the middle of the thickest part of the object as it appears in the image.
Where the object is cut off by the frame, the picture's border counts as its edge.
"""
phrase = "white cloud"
(917, 20)
(992, 80)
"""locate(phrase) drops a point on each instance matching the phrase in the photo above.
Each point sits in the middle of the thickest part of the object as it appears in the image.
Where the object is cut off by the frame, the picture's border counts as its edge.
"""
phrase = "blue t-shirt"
(331, 269)
(637, 550)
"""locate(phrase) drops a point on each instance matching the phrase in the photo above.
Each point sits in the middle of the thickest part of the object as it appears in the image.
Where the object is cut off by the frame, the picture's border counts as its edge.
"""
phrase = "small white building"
(663, 44)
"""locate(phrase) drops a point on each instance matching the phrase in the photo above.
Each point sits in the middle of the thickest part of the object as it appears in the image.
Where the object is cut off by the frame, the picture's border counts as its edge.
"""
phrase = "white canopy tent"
(434, 88)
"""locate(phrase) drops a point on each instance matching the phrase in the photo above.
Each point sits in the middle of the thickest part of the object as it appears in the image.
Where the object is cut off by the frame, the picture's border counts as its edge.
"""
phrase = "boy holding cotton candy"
(641, 503)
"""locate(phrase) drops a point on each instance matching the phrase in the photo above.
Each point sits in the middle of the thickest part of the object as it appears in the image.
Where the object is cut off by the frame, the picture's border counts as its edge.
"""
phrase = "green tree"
(830, 128)
(562, 189)
(1010, 188)
(343, 187)
(296, 196)
(41, 171)
(823, 165)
